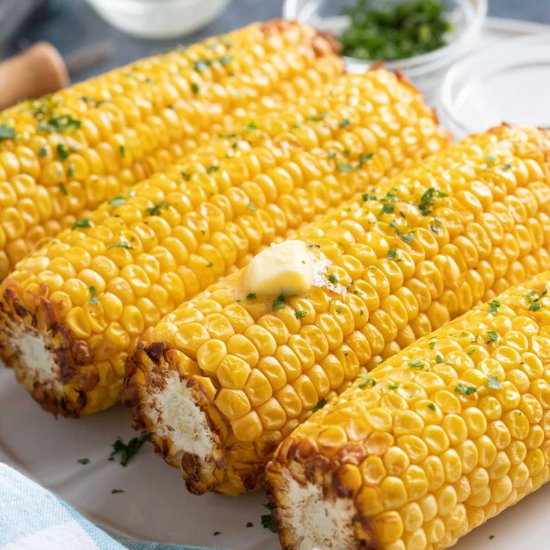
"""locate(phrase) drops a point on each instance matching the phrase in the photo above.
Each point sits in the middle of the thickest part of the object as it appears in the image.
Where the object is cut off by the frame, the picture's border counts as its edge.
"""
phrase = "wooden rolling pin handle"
(38, 71)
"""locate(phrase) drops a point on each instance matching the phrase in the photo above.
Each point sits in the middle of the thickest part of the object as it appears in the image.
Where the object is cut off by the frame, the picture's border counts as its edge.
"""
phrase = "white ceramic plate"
(155, 504)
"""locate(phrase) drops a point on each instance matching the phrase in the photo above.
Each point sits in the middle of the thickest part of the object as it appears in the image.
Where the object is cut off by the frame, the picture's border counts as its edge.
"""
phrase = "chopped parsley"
(431, 345)
(427, 200)
(6, 132)
(63, 189)
(268, 521)
(506, 167)
(185, 176)
(212, 169)
(70, 169)
(84, 461)
(387, 208)
(251, 206)
(300, 314)
(122, 244)
(201, 65)
(333, 278)
(156, 210)
(387, 31)
(249, 524)
(322, 402)
(62, 151)
(251, 125)
(431, 406)
(493, 382)
(117, 201)
(366, 381)
(392, 254)
(534, 299)
(438, 358)
(43, 151)
(344, 123)
(493, 307)
(406, 238)
(251, 296)
(393, 386)
(117, 491)
(492, 336)
(59, 124)
(128, 450)
(464, 389)
(489, 160)
(278, 304)
(331, 155)
(83, 223)
(344, 167)
(416, 364)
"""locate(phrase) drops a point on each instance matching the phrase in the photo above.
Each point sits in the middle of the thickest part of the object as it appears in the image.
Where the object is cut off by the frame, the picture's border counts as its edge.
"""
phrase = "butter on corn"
(444, 435)
(282, 269)
(83, 300)
(90, 142)
(405, 258)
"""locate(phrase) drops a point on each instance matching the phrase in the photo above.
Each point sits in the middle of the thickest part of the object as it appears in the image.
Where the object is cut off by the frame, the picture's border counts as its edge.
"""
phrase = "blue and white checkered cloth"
(32, 518)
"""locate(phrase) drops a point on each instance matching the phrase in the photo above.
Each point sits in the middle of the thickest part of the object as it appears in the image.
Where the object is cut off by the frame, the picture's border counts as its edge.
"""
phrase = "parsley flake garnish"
(392, 254)
(268, 521)
(117, 201)
(156, 210)
(322, 402)
(123, 244)
(251, 296)
(212, 169)
(251, 206)
(344, 123)
(84, 461)
(59, 124)
(492, 335)
(128, 450)
(427, 199)
(300, 314)
(464, 389)
(62, 151)
(493, 307)
(367, 381)
(333, 278)
(6, 132)
(431, 406)
(416, 364)
(393, 386)
(63, 189)
(278, 304)
(493, 382)
(406, 238)
(83, 223)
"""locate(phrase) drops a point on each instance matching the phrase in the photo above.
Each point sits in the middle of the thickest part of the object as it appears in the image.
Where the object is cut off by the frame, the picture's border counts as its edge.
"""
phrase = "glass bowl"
(507, 83)
(157, 19)
(425, 70)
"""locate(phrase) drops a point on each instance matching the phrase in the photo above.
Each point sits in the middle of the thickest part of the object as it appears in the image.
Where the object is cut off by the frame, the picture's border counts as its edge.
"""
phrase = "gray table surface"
(73, 25)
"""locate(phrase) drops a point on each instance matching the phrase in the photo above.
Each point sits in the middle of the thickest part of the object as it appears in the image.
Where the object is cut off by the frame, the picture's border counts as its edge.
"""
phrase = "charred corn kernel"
(161, 237)
(90, 142)
(360, 306)
(487, 468)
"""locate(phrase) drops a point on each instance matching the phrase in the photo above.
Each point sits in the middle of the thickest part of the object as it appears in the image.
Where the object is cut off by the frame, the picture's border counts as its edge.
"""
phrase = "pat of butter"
(281, 269)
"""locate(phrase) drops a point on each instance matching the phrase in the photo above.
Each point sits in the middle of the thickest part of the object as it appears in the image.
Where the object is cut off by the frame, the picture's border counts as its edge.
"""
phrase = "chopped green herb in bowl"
(394, 30)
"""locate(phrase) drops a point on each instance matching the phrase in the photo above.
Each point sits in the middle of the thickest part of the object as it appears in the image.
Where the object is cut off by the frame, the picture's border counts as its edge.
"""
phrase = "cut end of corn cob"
(46, 357)
(443, 436)
(404, 259)
(185, 435)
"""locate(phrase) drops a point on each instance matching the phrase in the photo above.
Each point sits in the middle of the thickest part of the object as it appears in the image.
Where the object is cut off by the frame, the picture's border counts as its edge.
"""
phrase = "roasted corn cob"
(441, 437)
(64, 154)
(226, 376)
(73, 310)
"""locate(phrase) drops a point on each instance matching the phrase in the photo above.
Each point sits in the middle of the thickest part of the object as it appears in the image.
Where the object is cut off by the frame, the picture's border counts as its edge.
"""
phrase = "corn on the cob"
(73, 310)
(441, 437)
(225, 377)
(90, 142)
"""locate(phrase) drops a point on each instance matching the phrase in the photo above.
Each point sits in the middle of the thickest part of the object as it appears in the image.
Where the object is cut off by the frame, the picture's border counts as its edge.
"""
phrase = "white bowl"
(426, 70)
(506, 83)
(156, 19)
